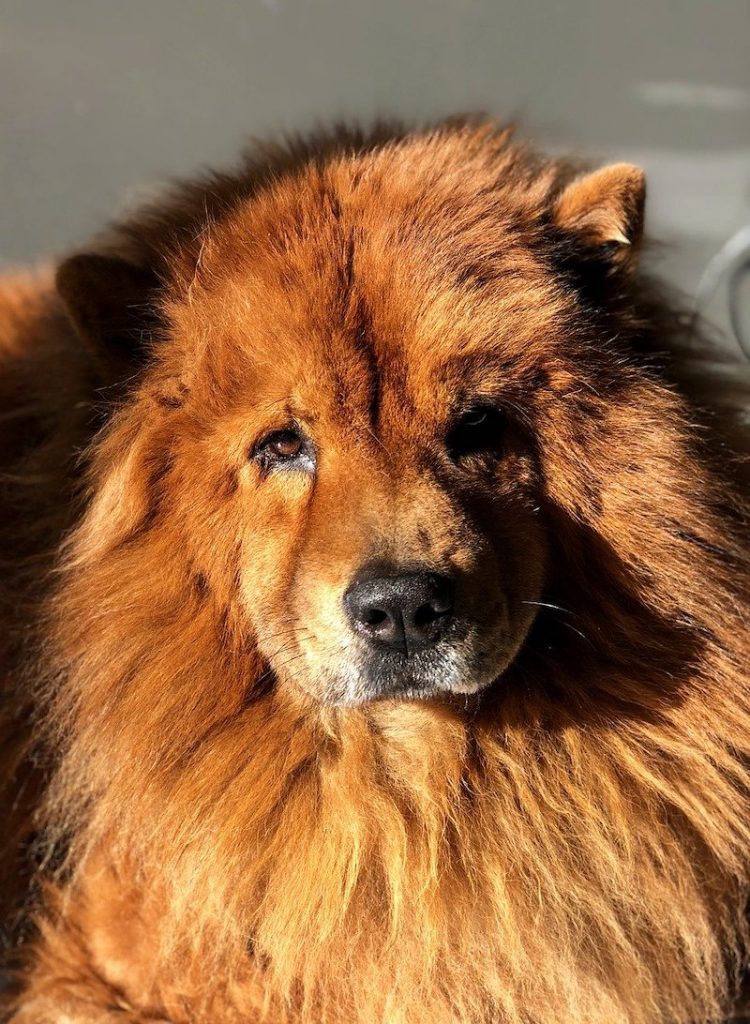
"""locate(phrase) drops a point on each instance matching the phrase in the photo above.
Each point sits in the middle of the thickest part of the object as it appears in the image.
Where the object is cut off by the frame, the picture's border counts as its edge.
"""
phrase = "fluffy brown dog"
(373, 610)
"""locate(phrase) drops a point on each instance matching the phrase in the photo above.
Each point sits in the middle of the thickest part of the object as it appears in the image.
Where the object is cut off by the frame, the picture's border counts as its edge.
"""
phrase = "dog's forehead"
(335, 292)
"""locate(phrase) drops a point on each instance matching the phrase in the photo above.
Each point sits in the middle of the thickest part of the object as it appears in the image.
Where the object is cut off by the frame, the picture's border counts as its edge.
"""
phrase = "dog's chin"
(439, 677)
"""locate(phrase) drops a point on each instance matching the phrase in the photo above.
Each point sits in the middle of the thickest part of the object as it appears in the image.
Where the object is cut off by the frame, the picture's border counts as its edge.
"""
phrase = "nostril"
(427, 613)
(374, 617)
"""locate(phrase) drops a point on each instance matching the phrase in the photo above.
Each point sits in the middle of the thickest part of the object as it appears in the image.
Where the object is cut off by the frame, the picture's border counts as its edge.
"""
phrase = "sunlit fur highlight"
(575, 846)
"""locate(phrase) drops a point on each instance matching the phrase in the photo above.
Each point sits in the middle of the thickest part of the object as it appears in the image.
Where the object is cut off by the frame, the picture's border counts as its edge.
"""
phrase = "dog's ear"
(112, 304)
(603, 210)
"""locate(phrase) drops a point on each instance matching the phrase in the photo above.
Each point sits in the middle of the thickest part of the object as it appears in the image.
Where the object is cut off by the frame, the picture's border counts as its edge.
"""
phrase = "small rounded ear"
(605, 209)
(111, 304)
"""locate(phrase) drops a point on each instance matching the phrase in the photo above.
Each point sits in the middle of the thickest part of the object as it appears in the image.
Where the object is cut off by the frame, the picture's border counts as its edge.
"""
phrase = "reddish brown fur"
(218, 839)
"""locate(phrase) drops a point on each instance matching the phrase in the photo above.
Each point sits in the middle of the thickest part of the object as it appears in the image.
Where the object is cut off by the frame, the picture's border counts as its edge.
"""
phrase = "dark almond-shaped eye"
(285, 447)
(478, 431)
(284, 444)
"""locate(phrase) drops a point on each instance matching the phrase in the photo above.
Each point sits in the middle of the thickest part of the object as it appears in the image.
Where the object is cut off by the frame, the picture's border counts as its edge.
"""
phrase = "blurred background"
(100, 100)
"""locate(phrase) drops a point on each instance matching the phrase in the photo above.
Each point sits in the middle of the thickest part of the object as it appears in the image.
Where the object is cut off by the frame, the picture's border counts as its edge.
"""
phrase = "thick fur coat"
(212, 820)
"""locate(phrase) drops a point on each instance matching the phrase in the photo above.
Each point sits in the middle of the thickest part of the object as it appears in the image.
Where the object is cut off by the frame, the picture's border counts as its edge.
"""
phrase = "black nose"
(403, 611)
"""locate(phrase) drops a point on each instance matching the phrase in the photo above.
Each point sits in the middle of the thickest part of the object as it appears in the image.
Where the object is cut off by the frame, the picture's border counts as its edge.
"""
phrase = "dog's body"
(383, 657)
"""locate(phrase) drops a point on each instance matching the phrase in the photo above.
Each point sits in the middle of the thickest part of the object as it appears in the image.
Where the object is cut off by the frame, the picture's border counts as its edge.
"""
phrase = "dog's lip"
(406, 687)
(423, 694)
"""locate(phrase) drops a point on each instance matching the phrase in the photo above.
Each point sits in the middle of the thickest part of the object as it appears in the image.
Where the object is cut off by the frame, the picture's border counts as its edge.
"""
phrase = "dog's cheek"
(507, 521)
(272, 518)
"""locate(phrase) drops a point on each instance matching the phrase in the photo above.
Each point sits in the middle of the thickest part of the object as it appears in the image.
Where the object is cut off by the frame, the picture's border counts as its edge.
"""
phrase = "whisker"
(294, 630)
(554, 607)
(275, 669)
(578, 631)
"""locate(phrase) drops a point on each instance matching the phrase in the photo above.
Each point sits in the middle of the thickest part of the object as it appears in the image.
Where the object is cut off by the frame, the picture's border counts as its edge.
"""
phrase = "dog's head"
(366, 372)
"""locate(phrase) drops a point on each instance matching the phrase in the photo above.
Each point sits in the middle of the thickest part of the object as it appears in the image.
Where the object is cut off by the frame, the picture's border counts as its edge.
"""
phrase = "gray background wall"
(100, 100)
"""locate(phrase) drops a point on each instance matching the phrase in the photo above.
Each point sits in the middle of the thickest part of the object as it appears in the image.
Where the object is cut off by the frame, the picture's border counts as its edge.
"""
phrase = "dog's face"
(385, 503)
(396, 547)
(365, 371)
(393, 546)
(385, 498)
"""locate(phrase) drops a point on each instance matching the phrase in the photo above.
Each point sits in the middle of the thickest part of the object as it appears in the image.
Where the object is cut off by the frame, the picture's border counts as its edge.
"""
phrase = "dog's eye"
(284, 444)
(478, 431)
(286, 447)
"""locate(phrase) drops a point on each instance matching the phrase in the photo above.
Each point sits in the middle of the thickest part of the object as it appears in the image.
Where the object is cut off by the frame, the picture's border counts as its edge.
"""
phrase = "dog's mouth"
(461, 665)
(457, 665)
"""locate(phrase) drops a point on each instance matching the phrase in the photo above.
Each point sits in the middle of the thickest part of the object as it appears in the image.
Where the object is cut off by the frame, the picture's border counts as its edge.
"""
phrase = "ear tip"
(79, 266)
(68, 266)
(619, 179)
(91, 268)
(634, 178)
(626, 170)
(70, 275)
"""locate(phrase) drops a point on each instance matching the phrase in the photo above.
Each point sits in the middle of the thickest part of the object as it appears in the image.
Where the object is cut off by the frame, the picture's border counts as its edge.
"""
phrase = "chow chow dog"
(374, 605)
